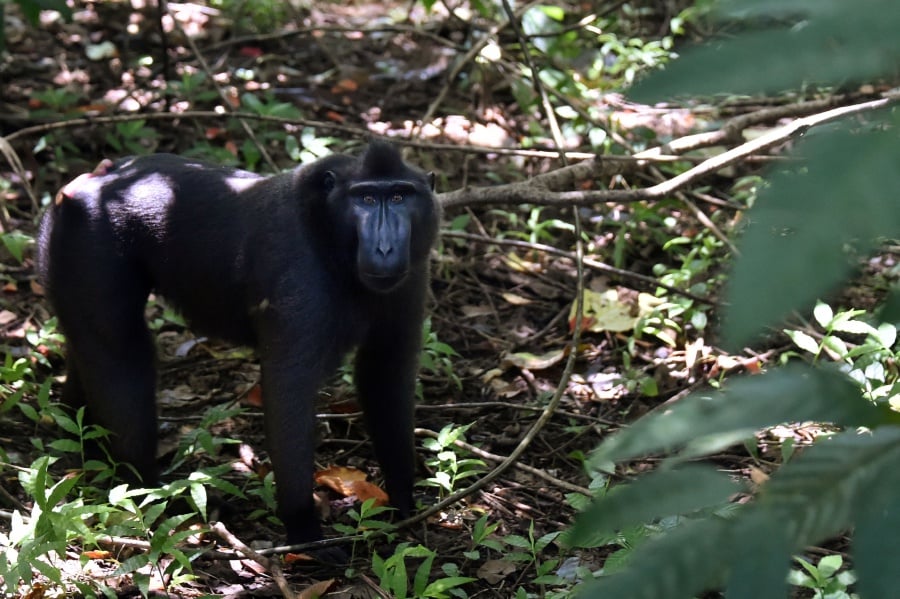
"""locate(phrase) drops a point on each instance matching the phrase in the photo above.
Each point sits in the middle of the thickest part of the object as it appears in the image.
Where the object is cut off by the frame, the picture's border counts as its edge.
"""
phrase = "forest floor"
(503, 309)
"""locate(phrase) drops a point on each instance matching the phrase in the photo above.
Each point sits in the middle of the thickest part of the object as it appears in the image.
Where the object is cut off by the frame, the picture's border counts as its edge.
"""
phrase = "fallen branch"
(542, 190)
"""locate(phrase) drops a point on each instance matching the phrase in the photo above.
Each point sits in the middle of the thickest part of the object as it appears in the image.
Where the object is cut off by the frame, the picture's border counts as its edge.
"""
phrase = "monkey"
(304, 266)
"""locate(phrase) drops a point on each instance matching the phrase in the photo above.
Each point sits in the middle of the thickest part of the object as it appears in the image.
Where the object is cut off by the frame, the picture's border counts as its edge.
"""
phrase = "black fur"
(304, 266)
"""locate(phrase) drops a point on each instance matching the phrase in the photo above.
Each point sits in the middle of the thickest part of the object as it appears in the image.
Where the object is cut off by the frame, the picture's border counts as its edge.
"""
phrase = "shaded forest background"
(609, 255)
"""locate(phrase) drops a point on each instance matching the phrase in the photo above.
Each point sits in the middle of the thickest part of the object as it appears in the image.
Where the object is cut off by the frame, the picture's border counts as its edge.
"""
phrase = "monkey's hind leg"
(111, 368)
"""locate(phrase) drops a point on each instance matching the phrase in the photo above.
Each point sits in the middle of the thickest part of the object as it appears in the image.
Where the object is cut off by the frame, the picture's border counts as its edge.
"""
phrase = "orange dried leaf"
(365, 490)
(340, 479)
(292, 558)
(254, 397)
(345, 86)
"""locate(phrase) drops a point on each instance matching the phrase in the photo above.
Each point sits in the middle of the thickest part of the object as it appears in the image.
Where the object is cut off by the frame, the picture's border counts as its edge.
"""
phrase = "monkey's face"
(386, 215)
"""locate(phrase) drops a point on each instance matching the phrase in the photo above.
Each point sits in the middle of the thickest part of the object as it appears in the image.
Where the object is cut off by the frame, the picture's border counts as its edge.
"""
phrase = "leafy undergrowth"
(495, 347)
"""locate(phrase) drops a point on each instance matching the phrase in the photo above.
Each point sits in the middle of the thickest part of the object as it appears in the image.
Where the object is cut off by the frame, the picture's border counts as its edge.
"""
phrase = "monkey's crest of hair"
(383, 159)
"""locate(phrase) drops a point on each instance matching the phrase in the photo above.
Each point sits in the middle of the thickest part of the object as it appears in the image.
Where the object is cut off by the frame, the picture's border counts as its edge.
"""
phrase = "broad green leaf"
(677, 564)
(762, 559)
(890, 312)
(746, 404)
(803, 223)
(817, 495)
(821, 491)
(836, 42)
(876, 544)
(661, 493)
(779, 8)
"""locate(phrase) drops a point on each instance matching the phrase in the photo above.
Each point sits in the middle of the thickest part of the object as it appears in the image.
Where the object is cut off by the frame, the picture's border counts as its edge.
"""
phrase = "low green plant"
(132, 137)
(18, 377)
(365, 522)
(700, 257)
(871, 361)
(36, 540)
(67, 511)
(193, 86)
(200, 437)
(15, 243)
(825, 579)
(483, 536)
(54, 101)
(436, 357)
(309, 148)
(365, 525)
(80, 436)
(264, 490)
(393, 574)
(449, 468)
(529, 550)
(147, 519)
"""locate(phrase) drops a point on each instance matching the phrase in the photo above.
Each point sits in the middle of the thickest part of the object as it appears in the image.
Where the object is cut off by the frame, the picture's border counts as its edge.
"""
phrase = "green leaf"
(802, 224)
(517, 541)
(420, 579)
(876, 546)
(16, 242)
(661, 493)
(746, 404)
(838, 41)
(818, 493)
(890, 311)
(439, 586)
(677, 564)
(65, 445)
(829, 565)
(823, 314)
(762, 559)
(803, 341)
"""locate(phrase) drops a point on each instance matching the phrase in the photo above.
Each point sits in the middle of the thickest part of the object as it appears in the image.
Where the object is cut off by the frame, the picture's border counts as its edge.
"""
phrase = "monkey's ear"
(431, 180)
(328, 181)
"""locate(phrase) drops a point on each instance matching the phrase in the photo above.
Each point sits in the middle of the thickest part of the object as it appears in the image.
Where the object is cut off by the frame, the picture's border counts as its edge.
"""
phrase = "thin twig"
(272, 565)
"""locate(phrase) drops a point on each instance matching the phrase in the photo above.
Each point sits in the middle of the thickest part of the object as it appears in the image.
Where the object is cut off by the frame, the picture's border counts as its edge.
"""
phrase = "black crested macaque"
(303, 266)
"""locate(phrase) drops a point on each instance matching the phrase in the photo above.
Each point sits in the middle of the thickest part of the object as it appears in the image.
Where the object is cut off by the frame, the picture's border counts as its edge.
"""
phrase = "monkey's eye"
(397, 198)
(368, 200)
